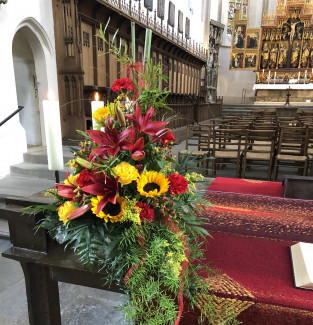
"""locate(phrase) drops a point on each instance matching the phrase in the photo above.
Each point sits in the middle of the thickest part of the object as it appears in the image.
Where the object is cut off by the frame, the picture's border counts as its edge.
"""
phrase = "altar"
(275, 94)
(281, 53)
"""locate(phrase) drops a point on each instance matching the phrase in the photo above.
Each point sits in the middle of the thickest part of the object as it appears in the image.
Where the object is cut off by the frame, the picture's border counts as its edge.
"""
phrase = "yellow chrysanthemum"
(102, 112)
(151, 184)
(126, 172)
(72, 179)
(111, 212)
(65, 209)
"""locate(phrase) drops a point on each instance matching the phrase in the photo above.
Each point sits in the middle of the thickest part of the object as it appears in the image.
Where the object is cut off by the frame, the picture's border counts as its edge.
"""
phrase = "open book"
(302, 262)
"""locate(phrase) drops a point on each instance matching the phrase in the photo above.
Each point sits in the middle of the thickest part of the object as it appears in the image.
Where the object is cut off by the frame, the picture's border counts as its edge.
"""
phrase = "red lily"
(160, 135)
(69, 191)
(143, 124)
(109, 141)
(103, 186)
(136, 149)
(79, 212)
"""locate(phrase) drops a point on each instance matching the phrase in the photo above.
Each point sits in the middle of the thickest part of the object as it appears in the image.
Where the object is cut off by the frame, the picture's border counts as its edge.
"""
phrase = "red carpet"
(263, 267)
(261, 216)
(247, 186)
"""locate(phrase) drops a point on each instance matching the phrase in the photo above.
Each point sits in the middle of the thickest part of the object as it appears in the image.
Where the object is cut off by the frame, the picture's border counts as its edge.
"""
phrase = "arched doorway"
(26, 81)
(35, 74)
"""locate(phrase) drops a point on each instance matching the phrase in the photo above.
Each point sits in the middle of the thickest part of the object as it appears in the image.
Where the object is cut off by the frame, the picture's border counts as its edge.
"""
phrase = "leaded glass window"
(236, 4)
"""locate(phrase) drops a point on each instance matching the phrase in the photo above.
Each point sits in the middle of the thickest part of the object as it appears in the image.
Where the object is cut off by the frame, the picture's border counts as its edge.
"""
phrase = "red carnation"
(123, 83)
(146, 212)
(178, 184)
(84, 178)
(169, 137)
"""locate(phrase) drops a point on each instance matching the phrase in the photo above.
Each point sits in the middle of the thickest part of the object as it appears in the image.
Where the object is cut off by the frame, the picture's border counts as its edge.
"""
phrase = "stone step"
(36, 170)
(38, 155)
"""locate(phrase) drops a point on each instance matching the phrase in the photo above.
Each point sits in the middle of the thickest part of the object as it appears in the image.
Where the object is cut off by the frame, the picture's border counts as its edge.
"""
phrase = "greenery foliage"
(129, 208)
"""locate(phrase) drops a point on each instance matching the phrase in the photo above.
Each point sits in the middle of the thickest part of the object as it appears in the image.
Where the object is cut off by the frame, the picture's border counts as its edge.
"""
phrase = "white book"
(302, 262)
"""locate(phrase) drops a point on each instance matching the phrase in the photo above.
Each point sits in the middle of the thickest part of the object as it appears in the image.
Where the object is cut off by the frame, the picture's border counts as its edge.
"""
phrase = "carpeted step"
(263, 267)
(261, 216)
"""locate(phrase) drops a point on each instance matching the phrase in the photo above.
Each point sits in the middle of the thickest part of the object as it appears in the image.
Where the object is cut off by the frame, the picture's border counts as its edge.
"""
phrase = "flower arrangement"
(311, 79)
(129, 207)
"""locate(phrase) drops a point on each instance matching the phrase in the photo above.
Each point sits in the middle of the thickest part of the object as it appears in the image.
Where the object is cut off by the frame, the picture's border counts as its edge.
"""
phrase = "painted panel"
(171, 14)
(180, 22)
(161, 9)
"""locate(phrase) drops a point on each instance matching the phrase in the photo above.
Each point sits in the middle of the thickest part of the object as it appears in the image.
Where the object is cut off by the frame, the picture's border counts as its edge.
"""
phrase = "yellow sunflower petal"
(151, 184)
(111, 212)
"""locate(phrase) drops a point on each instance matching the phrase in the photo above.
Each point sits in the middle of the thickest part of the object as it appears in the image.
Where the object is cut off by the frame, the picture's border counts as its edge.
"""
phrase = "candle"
(269, 76)
(263, 72)
(299, 76)
(275, 77)
(94, 106)
(52, 123)
(305, 75)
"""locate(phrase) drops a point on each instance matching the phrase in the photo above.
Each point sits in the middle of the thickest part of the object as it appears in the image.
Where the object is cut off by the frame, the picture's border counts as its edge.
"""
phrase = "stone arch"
(42, 67)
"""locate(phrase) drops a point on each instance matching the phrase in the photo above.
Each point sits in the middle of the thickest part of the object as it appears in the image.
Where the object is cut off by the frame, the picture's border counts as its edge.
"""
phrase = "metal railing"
(11, 115)
(141, 15)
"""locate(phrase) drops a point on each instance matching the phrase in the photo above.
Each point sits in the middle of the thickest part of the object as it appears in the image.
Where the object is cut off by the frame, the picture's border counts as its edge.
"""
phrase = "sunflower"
(103, 112)
(151, 184)
(126, 172)
(111, 212)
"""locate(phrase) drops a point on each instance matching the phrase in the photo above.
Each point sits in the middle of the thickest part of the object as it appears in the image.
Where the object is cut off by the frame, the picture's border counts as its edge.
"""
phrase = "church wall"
(37, 15)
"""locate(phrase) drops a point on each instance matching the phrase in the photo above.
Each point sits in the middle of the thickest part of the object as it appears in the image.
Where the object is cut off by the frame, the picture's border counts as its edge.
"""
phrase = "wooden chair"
(259, 150)
(292, 149)
(227, 148)
(198, 144)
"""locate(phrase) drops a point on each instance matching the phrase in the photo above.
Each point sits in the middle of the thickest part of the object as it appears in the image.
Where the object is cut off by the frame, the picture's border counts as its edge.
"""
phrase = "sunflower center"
(151, 187)
(112, 209)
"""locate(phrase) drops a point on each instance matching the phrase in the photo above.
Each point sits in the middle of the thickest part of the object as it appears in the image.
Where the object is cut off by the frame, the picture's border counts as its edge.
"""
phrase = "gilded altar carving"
(285, 40)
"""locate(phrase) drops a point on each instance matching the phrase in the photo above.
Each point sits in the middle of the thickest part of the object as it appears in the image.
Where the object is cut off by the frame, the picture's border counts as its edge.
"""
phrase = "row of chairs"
(257, 143)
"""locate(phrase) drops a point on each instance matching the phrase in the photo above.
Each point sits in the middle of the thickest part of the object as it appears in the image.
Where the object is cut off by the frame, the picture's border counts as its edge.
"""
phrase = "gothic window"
(86, 39)
(100, 44)
(236, 4)
(68, 28)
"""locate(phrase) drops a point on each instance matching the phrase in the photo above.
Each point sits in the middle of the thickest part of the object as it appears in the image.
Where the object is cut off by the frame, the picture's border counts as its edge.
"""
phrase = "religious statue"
(273, 56)
(293, 31)
(295, 55)
(282, 59)
(305, 55)
(265, 56)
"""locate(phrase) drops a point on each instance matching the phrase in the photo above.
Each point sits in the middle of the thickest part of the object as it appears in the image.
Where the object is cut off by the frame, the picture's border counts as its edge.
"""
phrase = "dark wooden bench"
(298, 187)
(44, 264)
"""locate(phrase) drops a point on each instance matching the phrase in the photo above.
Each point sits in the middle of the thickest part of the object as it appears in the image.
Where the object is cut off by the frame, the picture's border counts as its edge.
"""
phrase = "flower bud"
(83, 163)
(138, 155)
(120, 116)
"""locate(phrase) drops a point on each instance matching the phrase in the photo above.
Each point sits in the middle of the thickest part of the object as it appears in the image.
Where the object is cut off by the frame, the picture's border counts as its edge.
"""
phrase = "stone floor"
(79, 305)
